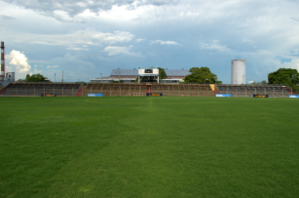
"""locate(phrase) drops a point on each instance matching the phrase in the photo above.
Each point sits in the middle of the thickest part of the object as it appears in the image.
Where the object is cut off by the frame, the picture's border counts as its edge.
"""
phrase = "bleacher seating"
(129, 89)
(37, 89)
(275, 91)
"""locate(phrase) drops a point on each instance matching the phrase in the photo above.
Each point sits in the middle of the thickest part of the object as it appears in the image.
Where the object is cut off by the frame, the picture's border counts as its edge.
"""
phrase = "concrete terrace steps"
(129, 89)
(36, 89)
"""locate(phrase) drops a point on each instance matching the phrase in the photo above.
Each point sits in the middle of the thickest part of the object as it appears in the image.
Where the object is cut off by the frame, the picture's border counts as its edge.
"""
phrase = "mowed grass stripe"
(149, 147)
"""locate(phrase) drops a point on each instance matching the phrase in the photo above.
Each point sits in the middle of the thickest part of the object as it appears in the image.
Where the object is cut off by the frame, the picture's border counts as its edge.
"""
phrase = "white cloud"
(115, 50)
(77, 6)
(17, 62)
(248, 41)
(64, 16)
(53, 66)
(214, 45)
(161, 42)
(294, 64)
(139, 40)
(77, 40)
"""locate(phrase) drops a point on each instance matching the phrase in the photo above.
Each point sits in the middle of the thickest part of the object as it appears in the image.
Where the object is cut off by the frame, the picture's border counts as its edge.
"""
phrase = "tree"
(259, 83)
(162, 73)
(36, 78)
(201, 75)
(285, 76)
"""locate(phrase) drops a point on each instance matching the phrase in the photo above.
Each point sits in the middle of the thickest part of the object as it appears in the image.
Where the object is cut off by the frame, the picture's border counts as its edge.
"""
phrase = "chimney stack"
(2, 60)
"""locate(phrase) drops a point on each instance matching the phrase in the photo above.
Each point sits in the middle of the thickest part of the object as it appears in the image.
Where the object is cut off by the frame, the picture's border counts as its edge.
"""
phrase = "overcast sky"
(87, 37)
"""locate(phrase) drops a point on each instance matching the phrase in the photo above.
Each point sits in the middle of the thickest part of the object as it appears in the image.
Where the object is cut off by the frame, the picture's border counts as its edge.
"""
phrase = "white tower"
(238, 76)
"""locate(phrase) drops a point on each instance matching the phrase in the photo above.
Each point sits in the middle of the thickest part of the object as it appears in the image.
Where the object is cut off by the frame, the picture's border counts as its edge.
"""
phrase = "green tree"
(36, 78)
(260, 83)
(201, 75)
(162, 73)
(286, 76)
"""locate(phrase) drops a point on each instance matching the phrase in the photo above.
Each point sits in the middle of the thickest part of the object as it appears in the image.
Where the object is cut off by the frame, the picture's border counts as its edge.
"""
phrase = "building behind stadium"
(174, 76)
(5, 78)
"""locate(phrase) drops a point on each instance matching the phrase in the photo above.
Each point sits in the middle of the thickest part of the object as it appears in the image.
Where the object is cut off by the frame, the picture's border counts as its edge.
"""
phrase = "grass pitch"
(149, 147)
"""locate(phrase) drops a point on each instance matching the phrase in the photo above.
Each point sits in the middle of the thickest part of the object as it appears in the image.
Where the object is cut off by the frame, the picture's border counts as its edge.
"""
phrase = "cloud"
(115, 50)
(214, 45)
(17, 62)
(139, 40)
(54, 66)
(160, 42)
(78, 6)
(64, 16)
(296, 19)
(294, 64)
(248, 41)
(77, 40)
(4, 17)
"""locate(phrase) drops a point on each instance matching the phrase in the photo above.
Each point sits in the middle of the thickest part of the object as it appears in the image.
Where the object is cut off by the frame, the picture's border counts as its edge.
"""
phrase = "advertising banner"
(95, 95)
(223, 95)
(260, 95)
(154, 94)
(48, 95)
(293, 96)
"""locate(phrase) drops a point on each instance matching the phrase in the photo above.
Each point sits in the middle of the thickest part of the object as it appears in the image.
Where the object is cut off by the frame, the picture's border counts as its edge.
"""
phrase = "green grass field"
(149, 147)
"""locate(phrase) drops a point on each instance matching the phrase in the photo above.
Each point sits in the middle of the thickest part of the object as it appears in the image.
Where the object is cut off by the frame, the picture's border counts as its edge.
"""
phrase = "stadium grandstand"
(248, 90)
(41, 88)
(174, 76)
(142, 89)
(128, 89)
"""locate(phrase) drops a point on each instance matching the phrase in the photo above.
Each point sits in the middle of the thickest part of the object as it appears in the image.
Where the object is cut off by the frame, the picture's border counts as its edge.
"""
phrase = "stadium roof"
(124, 72)
(177, 72)
(134, 72)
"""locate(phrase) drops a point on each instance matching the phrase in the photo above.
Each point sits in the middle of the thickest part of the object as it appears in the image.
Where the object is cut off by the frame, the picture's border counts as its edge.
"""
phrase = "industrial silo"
(238, 72)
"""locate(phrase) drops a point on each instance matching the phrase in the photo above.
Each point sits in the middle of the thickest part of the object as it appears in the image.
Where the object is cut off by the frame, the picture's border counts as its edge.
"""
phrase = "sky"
(87, 38)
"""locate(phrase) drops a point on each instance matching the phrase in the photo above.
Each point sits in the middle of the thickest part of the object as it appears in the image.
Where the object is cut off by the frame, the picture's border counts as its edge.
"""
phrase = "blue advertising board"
(223, 95)
(154, 94)
(260, 95)
(48, 95)
(95, 95)
(293, 96)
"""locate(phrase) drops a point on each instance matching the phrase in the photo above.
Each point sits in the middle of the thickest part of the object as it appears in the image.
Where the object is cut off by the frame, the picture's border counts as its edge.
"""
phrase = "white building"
(9, 77)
